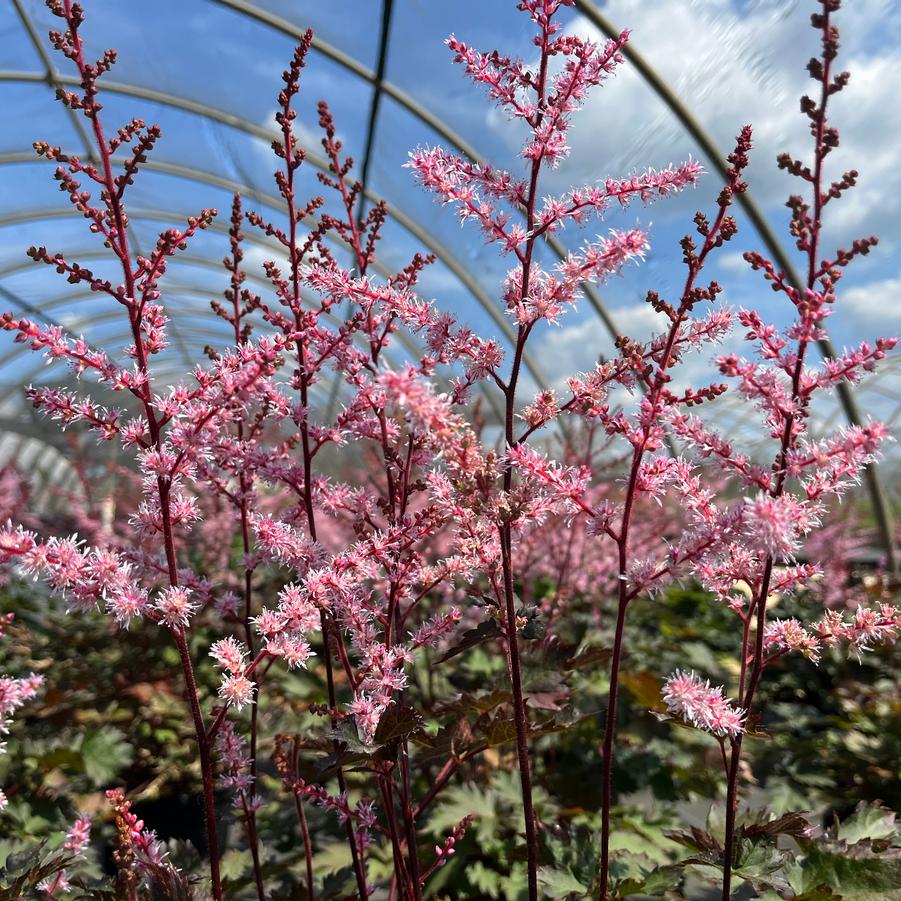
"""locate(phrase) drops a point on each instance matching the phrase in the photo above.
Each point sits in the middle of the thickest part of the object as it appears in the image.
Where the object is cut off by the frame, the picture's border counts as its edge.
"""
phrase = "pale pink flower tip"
(175, 607)
(78, 835)
(229, 654)
(237, 690)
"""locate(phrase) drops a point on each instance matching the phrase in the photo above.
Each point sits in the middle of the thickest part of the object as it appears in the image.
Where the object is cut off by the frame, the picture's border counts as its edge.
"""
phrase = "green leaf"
(760, 865)
(235, 863)
(459, 801)
(855, 879)
(560, 883)
(61, 757)
(332, 857)
(106, 753)
(655, 882)
(869, 822)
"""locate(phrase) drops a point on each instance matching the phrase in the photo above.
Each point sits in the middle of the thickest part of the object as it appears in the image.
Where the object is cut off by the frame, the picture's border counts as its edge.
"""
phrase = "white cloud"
(878, 301)
(732, 262)
(733, 64)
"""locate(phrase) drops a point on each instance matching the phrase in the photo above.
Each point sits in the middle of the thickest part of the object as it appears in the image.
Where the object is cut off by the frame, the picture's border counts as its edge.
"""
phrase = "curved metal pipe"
(717, 159)
(405, 340)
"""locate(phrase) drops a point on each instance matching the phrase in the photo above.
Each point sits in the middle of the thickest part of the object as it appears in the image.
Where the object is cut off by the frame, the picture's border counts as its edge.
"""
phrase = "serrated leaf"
(868, 822)
(855, 879)
(346, 734)
(332, 857)
(760, 865)
(499, 730)
(654, 883)
(454, 739)
(396, 722)
(476, 702)
(327, 766)
(560, 883)
(105, 753)
(459, 801)
(234, 863)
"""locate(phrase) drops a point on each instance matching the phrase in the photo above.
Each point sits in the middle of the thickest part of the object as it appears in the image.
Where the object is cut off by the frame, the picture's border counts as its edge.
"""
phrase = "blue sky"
(731, 62)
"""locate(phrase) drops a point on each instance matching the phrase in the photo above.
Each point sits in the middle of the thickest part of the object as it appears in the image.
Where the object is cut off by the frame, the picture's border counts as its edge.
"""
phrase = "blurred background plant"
(112, 713)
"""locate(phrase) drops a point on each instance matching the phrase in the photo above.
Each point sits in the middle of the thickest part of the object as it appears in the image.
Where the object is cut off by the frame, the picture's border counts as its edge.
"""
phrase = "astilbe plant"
(363, 577)
(784, 504)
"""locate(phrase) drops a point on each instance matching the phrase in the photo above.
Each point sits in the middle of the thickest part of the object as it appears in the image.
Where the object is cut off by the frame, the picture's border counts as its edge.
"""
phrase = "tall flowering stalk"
(804, 473)
(168, 431)
(230, 459)
(650, 473)
(544, 103)
(784, 503)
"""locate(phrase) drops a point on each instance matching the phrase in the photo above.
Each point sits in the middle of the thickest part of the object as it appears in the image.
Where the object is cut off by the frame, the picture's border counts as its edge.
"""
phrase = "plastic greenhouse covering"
(208, 71)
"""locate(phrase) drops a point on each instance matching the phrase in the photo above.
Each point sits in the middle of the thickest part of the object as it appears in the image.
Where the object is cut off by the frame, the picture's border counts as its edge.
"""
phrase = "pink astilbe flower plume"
(77, 839)
(702, 705)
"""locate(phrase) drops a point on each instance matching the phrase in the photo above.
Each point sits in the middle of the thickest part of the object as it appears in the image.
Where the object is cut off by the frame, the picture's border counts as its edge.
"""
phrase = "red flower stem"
(759, 662)
(250, 825)
(746, 620)
(206, 763)
(520, 719)
(304, 828)
(654, 398)
(409, 823)
(394, 832)
(122, 250)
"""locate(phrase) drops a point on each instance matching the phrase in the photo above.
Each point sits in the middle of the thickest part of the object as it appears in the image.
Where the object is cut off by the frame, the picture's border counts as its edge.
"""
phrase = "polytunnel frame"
(713, 153)
(139, 214)
(381, 85)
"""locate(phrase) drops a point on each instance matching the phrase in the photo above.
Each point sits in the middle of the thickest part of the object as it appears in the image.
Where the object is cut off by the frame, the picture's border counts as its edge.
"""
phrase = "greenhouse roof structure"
(209, 71)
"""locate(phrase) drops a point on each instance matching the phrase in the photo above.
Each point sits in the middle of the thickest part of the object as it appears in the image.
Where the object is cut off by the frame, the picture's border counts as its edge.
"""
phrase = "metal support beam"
(717, 158)
(315, 160)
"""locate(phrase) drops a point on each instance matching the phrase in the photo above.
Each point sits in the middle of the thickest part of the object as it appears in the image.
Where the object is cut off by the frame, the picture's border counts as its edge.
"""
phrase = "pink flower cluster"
(235, 766)
(142, 843)
(14, 693)
(867, 627)
(77, 839)
(702, 705)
